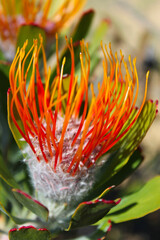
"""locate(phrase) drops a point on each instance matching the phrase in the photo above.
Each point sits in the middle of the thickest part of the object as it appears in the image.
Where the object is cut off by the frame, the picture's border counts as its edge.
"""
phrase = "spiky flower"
(65, 135)
(44, 14)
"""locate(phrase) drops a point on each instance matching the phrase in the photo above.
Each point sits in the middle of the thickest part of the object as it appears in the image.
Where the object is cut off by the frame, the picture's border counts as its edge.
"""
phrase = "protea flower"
(65, 135)
(14, 14)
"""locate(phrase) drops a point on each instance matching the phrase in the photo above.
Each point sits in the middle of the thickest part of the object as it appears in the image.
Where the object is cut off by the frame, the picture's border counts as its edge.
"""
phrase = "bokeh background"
(135, 28)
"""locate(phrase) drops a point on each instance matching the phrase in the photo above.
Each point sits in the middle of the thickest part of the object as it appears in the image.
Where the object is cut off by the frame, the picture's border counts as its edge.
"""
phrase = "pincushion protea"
(14, 14)
(63, 144)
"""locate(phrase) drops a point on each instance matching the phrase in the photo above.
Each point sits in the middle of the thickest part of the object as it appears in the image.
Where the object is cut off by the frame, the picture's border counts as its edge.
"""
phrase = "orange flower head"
(65, 135)
(41, 13)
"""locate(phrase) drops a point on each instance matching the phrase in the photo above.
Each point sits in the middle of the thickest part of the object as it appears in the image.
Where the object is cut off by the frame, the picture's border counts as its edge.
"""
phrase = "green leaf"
(125, 149)
(133, 163)
(78, 34)
(7, 198)
(16, 134)
(29, 32)
(4, 85)
(105, 192)
(99, 233)
(94, 45)
(67, 55)
(6, 175)
(4, 67)
(138, 204)
(87, 209)
(88, 213)
(33, 205)
(98, 35)
(29, 233)
(13, 218)
(83, 25)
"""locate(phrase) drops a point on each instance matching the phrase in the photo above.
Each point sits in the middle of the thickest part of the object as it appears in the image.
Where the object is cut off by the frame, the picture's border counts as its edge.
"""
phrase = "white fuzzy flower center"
(60, 185)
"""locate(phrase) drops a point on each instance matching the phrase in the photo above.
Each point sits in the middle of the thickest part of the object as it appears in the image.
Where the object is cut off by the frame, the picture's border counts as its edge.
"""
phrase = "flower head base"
(14, 14)
(64, 146)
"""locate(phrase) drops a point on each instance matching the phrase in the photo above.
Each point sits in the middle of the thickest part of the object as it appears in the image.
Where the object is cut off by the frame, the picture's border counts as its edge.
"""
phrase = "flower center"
(60, 185)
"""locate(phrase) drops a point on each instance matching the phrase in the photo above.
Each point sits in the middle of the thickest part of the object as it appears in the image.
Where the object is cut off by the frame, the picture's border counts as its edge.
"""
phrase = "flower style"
(14, 14)
(65, 135)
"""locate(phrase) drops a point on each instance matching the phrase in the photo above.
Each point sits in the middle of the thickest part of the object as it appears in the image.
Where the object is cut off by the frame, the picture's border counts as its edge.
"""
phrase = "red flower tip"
(109, 229)
(27, 227)
(102, 200)
(9, 90)
(91, 10)
(39, 203)
(42, 229)
(118, 201)
(21, 192)
(27, 196)
(13, 230)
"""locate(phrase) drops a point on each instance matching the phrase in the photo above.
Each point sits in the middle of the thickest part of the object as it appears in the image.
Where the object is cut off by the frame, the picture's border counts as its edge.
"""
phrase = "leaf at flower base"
(88, 213)
(133, 163)
(33, 205)
(138, 204)
(125, 149)
(4, 84)
(105, 192)
(100, 233)
(29, 233)
(134, 136)
(6, 175)
(17, 136)
(13, 218)
(101, 230)
(7, 198)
